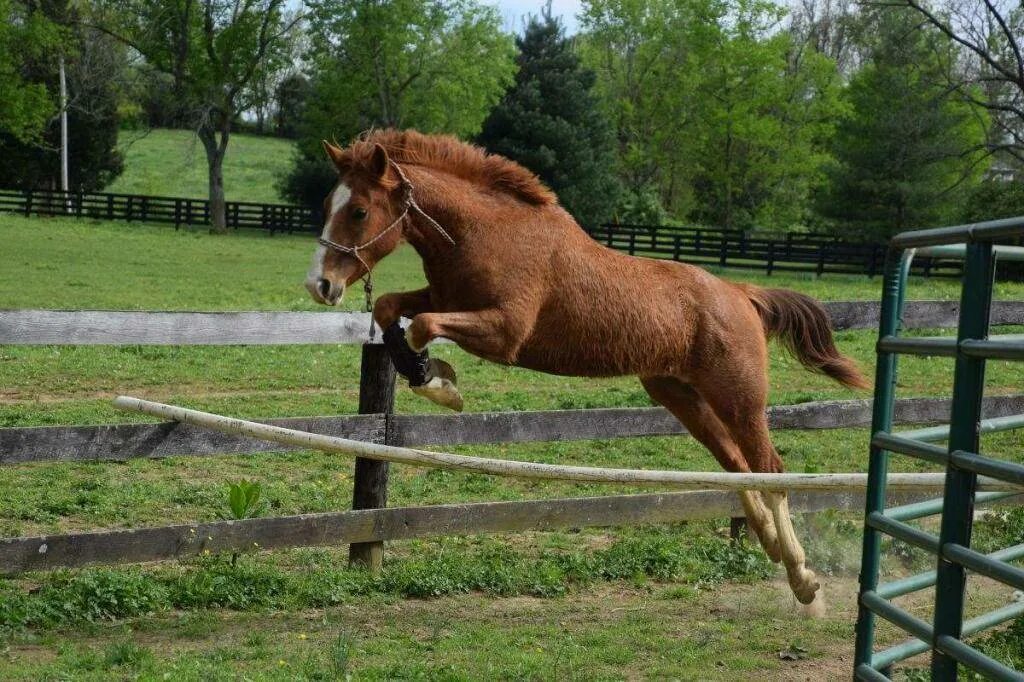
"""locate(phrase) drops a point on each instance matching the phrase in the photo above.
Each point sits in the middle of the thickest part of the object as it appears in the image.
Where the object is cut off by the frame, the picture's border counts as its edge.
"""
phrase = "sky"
(513, 10)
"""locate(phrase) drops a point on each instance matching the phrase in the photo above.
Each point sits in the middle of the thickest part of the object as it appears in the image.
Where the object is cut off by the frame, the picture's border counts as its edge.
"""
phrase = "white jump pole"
(718, 480)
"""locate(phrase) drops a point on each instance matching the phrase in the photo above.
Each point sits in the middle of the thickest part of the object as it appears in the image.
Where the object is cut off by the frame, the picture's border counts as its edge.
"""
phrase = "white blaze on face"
(339, 199)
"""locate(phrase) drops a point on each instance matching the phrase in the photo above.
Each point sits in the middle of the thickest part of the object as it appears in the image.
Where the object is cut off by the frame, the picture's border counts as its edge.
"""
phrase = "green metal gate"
(971, 348)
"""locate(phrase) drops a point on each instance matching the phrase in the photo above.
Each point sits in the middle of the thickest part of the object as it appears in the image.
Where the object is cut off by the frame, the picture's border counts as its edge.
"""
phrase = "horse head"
(362, 212)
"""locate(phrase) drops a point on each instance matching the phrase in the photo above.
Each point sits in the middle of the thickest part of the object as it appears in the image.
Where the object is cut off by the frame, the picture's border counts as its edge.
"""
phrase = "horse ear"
(333, 153)
(380, 164)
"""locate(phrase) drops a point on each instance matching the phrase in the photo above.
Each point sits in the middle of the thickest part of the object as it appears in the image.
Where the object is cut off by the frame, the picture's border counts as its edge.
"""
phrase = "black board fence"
(177, 211)
(771, 252)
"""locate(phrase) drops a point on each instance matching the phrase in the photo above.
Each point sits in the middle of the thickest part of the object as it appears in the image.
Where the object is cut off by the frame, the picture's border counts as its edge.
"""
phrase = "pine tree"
(550, 122)
(910, 145)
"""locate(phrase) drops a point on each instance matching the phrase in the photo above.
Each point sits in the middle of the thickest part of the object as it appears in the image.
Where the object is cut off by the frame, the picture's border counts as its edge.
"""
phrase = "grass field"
(678, 602)
(172, 163)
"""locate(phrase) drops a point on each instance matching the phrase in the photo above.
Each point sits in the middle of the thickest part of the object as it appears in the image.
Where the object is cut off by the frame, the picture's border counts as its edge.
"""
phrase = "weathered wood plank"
(103, 327)
(917, 314)
(126, 441)
(376, 525)
(515, 427)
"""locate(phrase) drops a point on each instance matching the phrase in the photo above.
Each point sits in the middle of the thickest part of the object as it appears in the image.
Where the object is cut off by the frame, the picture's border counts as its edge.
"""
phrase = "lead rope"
(410, 204)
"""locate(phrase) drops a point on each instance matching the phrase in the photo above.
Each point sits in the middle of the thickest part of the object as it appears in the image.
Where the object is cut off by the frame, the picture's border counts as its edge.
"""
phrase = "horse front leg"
(435, 378)
(389, 308)
(489, 334)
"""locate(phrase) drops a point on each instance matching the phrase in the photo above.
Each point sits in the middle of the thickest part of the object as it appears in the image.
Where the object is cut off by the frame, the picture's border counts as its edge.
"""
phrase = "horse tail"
(803, 326)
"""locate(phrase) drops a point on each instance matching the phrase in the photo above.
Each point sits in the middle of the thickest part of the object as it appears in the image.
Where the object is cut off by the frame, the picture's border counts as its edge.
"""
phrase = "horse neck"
(445, 199)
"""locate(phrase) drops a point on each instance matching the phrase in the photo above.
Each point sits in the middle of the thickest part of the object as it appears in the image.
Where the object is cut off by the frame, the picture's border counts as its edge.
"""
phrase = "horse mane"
(451, 155)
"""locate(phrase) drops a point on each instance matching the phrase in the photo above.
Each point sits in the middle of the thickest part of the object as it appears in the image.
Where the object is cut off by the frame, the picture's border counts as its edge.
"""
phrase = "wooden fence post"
(376, 396)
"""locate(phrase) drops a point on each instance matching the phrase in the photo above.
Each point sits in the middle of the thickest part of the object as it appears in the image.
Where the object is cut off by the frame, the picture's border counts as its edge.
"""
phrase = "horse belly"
(601, 350)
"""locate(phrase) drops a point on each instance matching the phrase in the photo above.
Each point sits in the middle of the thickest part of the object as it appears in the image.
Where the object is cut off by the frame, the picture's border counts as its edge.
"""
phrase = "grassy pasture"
(595, 605)
(172, 163)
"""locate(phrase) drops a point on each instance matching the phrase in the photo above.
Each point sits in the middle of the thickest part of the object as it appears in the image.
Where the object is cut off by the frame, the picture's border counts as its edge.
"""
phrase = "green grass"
(172, 163)
(598, 604)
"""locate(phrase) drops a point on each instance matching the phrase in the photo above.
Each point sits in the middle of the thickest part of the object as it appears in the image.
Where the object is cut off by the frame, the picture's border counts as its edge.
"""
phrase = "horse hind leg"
(700, 420)
(746, 421)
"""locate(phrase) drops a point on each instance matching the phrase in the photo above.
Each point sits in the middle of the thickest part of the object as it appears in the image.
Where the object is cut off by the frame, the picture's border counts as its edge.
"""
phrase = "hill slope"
(173, 163)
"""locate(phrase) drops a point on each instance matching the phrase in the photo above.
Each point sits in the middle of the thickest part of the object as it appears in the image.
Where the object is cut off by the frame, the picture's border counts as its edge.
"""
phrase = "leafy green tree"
(910, 145)
(550, 122)
(433, 65)
(27, 38)
(213, 50)
(767, 118)
(291, 96)
(644, 54)
(93, 65)
(715, 108)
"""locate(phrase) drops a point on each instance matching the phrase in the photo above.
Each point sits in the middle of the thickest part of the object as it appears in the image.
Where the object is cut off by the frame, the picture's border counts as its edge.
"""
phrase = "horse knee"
(386, 310)
(421, 332)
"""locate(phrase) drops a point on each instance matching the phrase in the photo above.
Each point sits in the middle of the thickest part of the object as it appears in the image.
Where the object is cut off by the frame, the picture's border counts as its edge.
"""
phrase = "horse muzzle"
(325, 291)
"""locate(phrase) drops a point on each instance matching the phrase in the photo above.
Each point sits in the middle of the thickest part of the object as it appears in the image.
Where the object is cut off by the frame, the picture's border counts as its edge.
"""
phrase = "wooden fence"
(175, 211)
(369, 524)
(701, 246)
(770, 252)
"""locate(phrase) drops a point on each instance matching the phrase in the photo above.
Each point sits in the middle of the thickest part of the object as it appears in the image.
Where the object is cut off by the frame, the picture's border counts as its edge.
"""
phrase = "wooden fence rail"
(175, 211)
(105, 327)
(814, 253)
(117, 442)
(398, 523)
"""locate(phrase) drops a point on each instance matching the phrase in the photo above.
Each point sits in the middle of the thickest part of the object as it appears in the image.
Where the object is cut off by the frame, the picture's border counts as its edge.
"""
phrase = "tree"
(644, 55)
(766, 119)
(827, 27)
(433, 65)
(212, 50)
(716, 108)
(290, 98)
(27, 37)
(94, 64)
(550, 122)
(990, 37)
(909, 144)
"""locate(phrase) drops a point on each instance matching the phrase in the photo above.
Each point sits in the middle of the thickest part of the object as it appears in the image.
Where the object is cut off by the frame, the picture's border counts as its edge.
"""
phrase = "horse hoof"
(816, 608)
(807, 588)
(441, 388)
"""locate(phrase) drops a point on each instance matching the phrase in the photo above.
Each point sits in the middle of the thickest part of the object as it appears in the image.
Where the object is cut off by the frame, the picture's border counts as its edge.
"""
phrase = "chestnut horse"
(515, 280)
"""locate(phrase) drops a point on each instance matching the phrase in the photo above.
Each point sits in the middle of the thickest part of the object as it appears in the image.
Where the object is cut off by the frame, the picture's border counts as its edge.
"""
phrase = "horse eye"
(359, 214)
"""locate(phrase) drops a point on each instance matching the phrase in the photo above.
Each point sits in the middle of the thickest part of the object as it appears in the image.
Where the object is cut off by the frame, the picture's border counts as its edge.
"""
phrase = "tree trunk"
(215, 150)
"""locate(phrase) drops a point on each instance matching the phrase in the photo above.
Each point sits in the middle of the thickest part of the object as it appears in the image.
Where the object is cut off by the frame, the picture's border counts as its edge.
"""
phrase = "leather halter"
(408, 204)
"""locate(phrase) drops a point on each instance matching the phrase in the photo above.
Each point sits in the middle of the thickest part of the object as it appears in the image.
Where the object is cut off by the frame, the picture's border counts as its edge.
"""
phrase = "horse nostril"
(323, 287)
